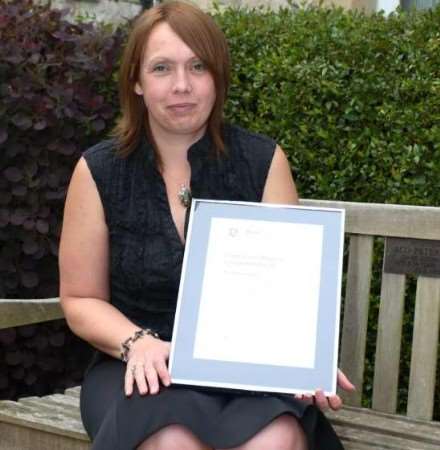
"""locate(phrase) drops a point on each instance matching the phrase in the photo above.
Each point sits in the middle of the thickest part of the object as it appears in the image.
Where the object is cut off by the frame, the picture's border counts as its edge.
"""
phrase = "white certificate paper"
(253, 267)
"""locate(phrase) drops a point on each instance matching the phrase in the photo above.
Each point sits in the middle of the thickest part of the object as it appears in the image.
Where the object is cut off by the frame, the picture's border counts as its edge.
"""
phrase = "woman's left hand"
(333, 401)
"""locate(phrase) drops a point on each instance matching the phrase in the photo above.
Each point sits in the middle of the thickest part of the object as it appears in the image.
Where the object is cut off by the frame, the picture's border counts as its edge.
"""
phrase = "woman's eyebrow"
(159, 58)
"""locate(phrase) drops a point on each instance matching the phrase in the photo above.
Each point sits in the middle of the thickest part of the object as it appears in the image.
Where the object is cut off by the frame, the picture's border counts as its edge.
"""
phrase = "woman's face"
(177, 88)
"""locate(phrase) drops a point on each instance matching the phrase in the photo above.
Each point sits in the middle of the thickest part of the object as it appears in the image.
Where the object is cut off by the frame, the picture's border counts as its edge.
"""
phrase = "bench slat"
(29, 416)
(23, 312)
(50, 409)
(17, 437)
(73, 391)
(424, 349)
(354, 439)
(62, 404)
(354, 330)
(376, 219)
(387, 360)
(387, 424)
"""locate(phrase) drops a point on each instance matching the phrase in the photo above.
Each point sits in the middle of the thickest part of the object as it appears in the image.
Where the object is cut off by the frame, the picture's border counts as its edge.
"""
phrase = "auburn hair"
(200, 33)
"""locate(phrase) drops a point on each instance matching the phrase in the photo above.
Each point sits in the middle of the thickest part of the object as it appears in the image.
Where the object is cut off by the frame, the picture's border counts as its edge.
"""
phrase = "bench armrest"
(24, 312)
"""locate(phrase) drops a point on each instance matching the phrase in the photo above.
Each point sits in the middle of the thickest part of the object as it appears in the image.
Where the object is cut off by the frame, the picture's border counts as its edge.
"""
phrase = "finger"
(139, 376)
(153, 382)
(344, 382)
(321, 400)
(163, 373)
(167, 348)
(307, 398)
(335, 402)
(128, 382)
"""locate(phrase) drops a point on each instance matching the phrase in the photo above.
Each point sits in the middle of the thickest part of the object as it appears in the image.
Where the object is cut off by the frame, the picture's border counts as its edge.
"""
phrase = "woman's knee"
(283, 433)
(173, 437)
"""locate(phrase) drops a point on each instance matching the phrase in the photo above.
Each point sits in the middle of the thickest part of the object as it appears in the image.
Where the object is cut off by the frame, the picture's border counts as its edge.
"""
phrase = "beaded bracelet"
(126, 345)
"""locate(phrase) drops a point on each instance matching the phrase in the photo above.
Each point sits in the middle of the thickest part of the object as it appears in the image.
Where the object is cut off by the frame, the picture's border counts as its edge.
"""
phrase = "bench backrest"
(365, 224)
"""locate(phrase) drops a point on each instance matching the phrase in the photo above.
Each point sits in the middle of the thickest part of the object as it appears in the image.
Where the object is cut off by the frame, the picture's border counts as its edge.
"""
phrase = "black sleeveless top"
(145, 249)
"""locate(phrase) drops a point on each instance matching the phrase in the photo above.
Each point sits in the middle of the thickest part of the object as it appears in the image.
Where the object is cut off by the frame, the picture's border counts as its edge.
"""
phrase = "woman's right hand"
(147, 366)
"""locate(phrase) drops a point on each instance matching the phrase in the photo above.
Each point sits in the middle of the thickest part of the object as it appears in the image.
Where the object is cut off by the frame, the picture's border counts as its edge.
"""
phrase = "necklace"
(184, 195)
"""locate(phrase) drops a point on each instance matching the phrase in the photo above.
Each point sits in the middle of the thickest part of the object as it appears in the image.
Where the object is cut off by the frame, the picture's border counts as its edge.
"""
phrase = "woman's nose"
(182, 81)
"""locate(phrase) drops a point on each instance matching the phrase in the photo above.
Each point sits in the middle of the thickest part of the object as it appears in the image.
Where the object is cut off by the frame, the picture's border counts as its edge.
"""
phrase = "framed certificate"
(259, 298)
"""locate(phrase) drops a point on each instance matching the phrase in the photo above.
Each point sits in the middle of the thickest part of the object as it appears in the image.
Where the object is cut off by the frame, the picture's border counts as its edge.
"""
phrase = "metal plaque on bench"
(259, 298)
(412, 256)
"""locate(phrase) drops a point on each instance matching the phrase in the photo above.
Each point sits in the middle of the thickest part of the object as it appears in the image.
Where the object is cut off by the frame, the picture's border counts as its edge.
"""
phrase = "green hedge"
(353, 99)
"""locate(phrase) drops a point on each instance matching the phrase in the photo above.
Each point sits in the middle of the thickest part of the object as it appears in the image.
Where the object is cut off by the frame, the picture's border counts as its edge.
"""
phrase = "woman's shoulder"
(243, 143)
(104, 150)
(247, 140)
(250, 155)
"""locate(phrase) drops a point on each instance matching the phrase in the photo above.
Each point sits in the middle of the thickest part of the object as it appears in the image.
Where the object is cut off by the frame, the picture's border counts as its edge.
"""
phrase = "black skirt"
(219, 419)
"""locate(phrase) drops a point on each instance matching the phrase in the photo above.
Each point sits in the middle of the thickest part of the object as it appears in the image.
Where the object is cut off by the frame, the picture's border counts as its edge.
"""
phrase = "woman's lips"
(182, 108)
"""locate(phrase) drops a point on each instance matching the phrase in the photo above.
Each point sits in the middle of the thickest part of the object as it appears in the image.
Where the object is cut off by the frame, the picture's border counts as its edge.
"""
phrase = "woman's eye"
(160, 68)
(198, 66)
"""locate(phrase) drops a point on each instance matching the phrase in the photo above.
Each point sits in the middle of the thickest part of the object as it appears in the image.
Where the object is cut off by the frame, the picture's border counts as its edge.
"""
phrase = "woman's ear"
(138, 89)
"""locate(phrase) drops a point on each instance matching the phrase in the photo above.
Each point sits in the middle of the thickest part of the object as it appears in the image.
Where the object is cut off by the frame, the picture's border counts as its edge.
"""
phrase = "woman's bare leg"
(284, 433)
(173, 437)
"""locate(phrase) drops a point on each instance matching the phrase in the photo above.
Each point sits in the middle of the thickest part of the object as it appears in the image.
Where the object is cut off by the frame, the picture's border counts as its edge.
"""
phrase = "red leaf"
(44, 212)
(53, 248)
(67, 149)
(13, 358)
(57, 340)
(29, 279)
(29, 224)
(18, 373)
(30, 379)
(7, 336)
(42, 226)
(5, 198)
(3, 381)
(19, 191)
(98, 125)
(13, 174)
(41, 343)
(3, 135)
(4, 217)
(27, 331)
(40, 125)
(14, 149)
(22, 122)
(18, 216)
(29, 248)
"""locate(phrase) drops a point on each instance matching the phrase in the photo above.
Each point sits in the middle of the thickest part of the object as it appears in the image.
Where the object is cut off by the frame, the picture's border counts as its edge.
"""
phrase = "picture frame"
(259, 298)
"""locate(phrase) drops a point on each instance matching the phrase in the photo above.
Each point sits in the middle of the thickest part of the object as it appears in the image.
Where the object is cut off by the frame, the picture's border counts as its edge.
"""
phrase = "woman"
(123, 240)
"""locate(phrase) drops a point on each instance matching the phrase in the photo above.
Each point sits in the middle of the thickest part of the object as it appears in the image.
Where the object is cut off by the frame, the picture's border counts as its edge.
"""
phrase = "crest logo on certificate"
(259, 298)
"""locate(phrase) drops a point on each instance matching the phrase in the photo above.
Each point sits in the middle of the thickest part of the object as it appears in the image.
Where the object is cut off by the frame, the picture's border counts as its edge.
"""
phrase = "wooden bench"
(53, 422)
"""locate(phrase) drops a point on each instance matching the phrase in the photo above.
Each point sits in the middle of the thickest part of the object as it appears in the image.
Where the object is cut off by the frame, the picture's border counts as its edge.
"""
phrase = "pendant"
(184, 196)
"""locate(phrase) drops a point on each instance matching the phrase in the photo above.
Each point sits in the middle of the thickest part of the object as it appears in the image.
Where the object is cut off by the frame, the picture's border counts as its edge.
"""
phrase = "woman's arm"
(84, 288)
(84, 268)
